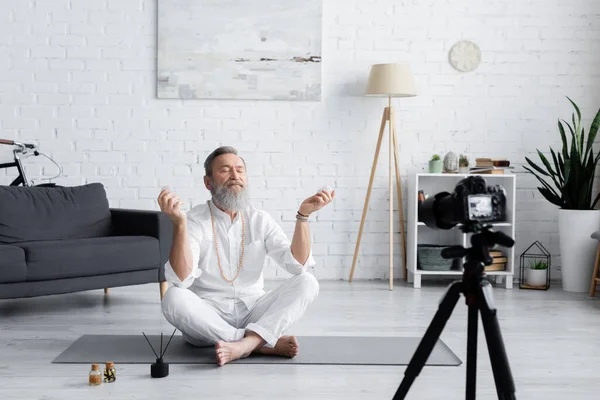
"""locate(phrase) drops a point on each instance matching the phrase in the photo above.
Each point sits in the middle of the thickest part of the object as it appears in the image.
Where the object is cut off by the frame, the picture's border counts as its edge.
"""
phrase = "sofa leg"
(106, 290)
(163, 289)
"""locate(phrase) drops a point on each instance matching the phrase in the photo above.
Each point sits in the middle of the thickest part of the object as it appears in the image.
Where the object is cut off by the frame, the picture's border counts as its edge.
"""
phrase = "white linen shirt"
(264, 237)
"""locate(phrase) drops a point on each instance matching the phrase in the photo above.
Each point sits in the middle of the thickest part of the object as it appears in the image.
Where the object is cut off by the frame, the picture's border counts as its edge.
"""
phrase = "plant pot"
(435, 167)
(463, 170)
(535, 277)
(577, 248)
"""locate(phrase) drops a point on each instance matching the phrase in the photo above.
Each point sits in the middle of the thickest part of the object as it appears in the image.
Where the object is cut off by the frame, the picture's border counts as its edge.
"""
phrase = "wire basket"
(429, 258)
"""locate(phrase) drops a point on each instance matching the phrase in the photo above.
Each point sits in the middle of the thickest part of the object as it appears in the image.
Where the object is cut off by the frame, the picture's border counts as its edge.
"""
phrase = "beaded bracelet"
(301, 217)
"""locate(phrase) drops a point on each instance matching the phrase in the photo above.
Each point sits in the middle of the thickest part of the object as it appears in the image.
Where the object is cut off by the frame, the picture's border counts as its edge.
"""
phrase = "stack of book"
(490, 166)
(499, 263)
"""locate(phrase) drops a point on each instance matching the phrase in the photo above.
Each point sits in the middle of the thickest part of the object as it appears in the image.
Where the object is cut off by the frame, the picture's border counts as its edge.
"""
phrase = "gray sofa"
(66, 239)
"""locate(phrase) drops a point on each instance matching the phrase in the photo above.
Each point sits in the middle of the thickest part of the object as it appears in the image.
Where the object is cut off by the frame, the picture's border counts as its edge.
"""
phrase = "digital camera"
(472, 201)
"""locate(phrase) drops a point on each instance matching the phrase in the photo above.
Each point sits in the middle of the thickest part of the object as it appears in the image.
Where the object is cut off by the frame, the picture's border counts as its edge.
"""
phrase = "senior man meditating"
(216, 266)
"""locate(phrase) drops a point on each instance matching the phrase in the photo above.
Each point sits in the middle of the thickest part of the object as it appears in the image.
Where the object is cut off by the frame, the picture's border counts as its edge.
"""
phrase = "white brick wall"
(78, 77)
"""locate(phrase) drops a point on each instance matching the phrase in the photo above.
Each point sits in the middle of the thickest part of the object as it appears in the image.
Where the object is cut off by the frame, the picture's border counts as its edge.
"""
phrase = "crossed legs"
(236, 336)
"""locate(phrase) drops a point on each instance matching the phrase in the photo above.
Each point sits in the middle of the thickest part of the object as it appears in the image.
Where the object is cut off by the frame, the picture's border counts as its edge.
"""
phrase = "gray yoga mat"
(348, 350)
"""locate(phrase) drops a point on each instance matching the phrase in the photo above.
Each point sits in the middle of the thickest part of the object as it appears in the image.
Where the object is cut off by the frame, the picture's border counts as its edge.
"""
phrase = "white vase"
(577, 248)
(535, 277)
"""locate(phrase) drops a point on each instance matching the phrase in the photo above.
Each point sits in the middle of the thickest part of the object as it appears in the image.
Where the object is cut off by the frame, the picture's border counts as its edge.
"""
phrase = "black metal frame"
(525, 256)
(21, 179)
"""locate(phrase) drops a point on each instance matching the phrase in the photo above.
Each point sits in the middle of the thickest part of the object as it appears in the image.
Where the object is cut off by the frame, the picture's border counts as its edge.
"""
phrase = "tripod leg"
(472, 353)
(429, 339)
(505, 386)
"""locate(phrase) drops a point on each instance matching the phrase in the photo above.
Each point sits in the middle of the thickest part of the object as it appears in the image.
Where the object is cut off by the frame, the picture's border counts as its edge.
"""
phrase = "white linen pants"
(203, 323)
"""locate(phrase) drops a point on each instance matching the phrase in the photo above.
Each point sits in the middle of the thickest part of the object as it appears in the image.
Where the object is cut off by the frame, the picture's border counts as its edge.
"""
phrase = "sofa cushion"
(12, 264)
(58, 259)
(53, 213)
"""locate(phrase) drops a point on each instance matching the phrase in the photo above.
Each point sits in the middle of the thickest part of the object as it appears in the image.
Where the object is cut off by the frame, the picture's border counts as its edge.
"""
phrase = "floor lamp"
(388, 80)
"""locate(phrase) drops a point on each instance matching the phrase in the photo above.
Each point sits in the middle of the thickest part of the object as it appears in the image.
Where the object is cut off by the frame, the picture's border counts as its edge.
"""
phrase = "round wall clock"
(465, 56)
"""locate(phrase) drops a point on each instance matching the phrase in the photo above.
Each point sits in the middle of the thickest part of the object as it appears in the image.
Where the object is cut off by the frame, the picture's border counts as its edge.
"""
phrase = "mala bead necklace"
(217, 247)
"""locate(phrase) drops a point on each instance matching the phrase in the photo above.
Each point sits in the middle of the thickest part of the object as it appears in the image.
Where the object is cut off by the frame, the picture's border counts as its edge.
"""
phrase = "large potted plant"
(568, 182)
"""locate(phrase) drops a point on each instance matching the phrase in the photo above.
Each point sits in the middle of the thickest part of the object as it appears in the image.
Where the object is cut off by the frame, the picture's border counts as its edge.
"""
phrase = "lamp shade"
(391, 80)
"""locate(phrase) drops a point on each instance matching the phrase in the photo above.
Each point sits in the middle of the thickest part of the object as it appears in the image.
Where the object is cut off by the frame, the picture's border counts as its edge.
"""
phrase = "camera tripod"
(478, 294)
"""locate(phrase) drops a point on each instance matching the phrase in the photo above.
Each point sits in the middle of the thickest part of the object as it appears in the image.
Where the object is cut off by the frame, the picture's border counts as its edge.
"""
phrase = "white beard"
(227, 199)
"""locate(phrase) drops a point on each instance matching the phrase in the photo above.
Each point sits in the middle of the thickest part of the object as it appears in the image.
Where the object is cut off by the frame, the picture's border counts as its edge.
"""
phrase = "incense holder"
(159, 369)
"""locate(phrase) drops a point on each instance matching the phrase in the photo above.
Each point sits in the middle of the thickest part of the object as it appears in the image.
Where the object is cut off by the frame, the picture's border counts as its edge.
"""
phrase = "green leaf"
(543, 182)
(557, 167)
(546, 163)
(564, 139)
(551, 197)
(581, 138)
(576, 108)
(579, 181)
(573, 137)
(595, 201)
(538, 169)
(593, 130)
(549, 168)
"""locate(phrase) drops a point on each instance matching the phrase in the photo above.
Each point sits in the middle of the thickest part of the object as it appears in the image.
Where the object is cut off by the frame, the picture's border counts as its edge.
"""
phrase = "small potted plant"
(535, 275)
(463, 164)
(435, 164)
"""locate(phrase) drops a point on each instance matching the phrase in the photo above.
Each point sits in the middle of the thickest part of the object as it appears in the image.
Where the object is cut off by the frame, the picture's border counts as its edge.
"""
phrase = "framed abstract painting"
(235, 49)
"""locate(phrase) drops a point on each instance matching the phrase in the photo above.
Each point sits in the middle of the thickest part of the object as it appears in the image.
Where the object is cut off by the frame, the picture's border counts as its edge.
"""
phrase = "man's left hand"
(316, 202)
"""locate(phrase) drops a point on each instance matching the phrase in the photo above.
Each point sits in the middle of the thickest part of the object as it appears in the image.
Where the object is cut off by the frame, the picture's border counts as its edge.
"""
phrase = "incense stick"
(150, 345)
(168, 343)
(161, 353)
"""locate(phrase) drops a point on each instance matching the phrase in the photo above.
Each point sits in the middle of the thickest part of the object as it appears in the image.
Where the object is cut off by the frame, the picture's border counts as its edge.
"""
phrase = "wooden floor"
(552, 340)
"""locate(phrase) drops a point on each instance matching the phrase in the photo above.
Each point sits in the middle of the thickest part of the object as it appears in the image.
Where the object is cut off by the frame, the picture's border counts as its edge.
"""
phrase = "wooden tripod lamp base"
(389, 80)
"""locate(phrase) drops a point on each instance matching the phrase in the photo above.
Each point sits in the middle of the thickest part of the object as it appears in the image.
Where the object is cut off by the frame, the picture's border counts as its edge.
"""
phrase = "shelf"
(465, 175)
(419, 233)
(459, 225)
(421, 272)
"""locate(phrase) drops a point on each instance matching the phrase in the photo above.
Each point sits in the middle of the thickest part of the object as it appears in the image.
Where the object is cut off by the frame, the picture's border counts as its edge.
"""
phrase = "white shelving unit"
(419, 233)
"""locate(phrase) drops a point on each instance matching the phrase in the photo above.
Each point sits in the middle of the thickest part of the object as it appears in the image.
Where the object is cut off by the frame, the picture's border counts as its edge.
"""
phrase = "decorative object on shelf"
(422, 197)
(388, 80)
(95, 376)
(159, 369)
(435, 164)
(535, 267)
(463, 164)
(568, 182)
(239, 50)
(465, 56)
(110, 372)
(450, 163)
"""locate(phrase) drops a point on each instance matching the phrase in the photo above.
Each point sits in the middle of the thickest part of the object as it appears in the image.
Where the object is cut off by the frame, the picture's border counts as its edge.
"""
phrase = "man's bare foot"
(230, 351)
(287, 346)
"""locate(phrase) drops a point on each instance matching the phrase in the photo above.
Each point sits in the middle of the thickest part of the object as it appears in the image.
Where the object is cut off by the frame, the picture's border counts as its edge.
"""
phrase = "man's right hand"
(170, 204)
